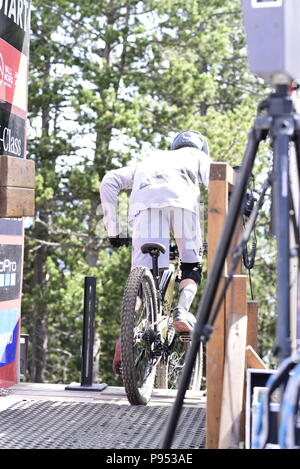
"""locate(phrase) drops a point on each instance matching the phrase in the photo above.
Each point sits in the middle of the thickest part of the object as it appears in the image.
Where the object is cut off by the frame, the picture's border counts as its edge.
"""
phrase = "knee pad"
(191, 270)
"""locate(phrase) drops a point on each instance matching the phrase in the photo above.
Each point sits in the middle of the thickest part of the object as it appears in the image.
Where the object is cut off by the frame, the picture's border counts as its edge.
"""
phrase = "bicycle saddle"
(148, 247)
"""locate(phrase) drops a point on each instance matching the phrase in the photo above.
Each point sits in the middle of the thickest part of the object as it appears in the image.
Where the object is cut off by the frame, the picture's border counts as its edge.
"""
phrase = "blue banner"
(9, 323)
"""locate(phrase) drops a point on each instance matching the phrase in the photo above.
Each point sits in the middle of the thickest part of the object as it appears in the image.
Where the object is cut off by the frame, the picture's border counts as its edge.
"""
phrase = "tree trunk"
(39, 322)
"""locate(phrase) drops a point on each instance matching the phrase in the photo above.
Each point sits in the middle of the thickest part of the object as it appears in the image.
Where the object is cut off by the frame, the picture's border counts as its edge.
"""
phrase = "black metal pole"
(281, 199)
(88, 341)
(203, 327)
(88, 331)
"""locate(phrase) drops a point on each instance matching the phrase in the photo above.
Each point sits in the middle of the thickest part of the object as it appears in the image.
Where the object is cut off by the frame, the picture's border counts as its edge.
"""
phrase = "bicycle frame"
(165, 290)
(165, 285)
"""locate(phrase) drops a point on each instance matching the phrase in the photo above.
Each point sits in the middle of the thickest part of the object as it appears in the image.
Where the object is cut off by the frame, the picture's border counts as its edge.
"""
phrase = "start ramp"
(46, 416)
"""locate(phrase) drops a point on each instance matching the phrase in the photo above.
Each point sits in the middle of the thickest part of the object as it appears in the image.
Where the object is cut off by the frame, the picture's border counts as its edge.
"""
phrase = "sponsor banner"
(8, 374)
(15, 23)
(13, 76)
(14, 52)
(10, 271)
(13, 110)
(11, 228)
(12, 134)
(9, 327)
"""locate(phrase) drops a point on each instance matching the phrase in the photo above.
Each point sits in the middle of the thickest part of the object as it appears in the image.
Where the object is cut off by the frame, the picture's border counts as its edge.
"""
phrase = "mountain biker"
(165, 198)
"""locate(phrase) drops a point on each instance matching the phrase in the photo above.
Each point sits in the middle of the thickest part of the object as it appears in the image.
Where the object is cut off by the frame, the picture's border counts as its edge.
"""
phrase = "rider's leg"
(116, 364)
(183, 320)
(187, 292)
(148, 226)
(186, 229)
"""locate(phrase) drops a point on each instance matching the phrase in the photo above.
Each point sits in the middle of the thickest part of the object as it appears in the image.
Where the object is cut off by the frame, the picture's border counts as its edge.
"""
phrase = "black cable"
(249, 263)
(249, 205)
(250, 283)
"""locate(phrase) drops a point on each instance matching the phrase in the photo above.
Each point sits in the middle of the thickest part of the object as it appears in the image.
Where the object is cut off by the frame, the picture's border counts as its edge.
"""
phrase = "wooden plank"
(234, 367)
(240, 305)
(17, 172)
(214, 378)
(236, 302)
(217, 209)
(234, 242)
(252, 310)
(253, 359)
(16, 202)
(233, 386)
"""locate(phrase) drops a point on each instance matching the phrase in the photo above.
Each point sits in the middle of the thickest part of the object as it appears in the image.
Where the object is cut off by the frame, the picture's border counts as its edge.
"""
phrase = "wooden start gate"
(233, 344)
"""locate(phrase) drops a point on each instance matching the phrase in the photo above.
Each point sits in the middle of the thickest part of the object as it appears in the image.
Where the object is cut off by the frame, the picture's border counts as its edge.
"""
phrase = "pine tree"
(110, 80)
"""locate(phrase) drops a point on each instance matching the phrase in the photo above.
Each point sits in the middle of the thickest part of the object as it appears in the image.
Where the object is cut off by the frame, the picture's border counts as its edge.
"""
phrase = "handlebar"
(118, 242)
(172, 247)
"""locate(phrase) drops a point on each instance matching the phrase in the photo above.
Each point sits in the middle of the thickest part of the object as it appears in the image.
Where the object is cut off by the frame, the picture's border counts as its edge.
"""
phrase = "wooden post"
(218, 193)
(234, 366)
(217, 209)
(222, 178)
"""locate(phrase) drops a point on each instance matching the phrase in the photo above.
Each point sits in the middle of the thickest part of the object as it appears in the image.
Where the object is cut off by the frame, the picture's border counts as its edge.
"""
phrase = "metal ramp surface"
(51, 418)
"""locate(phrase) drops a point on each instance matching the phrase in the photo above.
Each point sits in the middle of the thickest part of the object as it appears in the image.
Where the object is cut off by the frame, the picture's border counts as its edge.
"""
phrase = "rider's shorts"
(156, 225)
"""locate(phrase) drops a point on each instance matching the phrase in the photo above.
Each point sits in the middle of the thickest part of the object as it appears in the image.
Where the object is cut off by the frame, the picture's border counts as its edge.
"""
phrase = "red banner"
(13, 76)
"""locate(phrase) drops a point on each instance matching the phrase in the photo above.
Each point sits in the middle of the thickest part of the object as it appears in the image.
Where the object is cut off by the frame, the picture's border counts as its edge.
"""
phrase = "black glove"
(116, 241)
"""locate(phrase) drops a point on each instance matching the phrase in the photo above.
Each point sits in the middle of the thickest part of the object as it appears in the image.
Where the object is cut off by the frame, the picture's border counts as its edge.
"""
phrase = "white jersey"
(162, 179)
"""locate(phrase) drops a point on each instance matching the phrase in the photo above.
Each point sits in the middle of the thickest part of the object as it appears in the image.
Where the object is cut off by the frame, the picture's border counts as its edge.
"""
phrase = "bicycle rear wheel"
(139, 311)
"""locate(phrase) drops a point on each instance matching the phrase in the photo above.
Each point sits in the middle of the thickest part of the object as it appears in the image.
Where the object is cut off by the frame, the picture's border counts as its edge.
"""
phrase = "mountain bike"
(153, 353)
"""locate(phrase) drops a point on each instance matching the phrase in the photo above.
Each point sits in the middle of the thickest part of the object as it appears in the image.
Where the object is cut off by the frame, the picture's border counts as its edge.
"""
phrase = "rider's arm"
(113, 182)
(204, 167)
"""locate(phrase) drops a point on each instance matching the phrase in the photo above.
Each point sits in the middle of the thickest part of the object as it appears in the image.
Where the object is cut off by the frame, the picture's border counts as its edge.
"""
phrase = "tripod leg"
(204, 321)
(282, 206)
(296, 223)
(297, 148)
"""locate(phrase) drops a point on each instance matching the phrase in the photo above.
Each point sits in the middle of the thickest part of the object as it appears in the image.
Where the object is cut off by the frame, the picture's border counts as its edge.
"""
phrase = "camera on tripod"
(273, 37)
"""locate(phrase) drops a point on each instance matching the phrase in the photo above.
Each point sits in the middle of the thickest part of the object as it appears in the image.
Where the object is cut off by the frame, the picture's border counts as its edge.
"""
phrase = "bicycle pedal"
(185, 337)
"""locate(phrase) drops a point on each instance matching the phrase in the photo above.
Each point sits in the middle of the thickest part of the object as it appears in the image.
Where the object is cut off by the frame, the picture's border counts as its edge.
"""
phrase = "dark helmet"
(190, 138)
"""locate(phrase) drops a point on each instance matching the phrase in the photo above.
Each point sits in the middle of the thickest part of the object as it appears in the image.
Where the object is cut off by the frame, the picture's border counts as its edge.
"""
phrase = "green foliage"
(108, 80)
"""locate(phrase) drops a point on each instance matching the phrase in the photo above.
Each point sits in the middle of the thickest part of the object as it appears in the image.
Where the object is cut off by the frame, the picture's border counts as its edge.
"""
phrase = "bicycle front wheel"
(177, 360)
(139, 311)
(171, 365)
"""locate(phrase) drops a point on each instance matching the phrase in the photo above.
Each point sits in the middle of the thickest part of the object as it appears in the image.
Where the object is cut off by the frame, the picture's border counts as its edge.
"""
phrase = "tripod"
(283, 124)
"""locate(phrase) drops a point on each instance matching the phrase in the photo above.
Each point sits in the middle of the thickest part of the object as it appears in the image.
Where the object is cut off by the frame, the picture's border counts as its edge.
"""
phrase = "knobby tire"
(138, 366)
